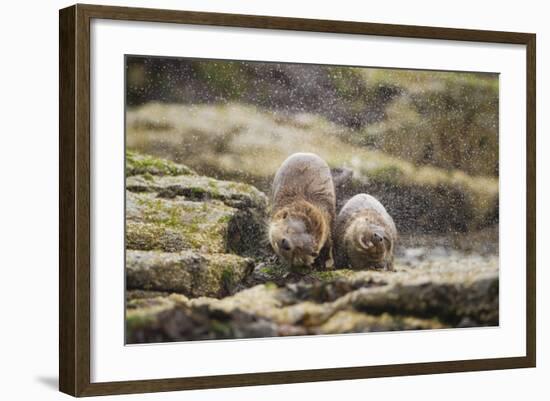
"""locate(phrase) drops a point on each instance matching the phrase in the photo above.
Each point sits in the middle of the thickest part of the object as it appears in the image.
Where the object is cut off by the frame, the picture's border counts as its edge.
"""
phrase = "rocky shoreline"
(198, 267)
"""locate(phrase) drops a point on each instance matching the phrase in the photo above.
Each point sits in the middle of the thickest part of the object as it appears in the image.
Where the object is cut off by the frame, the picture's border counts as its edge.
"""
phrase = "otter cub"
(365, 233)
(303, 208)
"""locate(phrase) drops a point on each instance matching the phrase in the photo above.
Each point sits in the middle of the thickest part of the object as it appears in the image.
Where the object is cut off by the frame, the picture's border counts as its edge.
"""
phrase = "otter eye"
(314, 254)
(285, 215)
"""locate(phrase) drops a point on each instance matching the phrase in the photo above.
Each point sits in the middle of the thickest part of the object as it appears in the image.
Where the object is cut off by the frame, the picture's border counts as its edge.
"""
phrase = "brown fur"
(356, 225)
(303, 210)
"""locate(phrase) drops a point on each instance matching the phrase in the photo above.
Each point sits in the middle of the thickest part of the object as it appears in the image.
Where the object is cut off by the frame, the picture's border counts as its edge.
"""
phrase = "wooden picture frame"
(74, 200)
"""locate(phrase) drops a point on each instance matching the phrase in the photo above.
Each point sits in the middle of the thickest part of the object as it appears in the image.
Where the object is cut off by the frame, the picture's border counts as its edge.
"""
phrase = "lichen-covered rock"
(141, 164)
(132, 295)
(429, 296)
(460, 298)
(348, 321)
(171, 319)
(189, 273)
(199, 188)
(176, 224)
(174, 213)
(187, 233)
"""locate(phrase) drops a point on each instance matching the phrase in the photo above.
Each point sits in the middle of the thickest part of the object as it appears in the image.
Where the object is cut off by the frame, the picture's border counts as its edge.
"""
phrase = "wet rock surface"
(198, 267)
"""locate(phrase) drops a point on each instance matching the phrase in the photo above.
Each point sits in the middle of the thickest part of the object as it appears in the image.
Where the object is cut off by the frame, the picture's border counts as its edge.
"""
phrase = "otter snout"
(296, 247)
(376, 238)
(284, 244)
(371, 240)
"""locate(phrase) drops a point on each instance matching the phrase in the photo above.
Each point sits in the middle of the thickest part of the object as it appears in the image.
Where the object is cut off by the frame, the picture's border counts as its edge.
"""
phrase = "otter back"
(364, 204)
(304, 176)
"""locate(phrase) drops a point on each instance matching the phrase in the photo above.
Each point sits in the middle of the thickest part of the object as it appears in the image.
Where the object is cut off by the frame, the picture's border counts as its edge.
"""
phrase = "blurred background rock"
(446, 119)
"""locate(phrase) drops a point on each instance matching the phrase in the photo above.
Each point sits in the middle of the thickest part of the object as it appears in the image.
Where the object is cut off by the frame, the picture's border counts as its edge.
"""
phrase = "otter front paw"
(385, 265)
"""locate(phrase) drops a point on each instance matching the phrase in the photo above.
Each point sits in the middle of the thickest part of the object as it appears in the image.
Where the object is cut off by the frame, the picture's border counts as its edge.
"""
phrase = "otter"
(303, 210)
(365, 234)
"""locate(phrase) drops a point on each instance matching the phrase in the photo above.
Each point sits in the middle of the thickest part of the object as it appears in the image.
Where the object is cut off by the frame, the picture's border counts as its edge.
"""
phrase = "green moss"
(389, 174)
(224, 219)
(249, 189)
(149, 166)
(197, 192)
(228, 278)
(143, 313)
(275, 272)
(158, 223)
(147, 176)
(174, 217)
(192, 228)
(346, 81)
(220, 328)
(137, 320)
(214, 189)
(331, 275)
(270, 286)
(267, 270)
(227, 78)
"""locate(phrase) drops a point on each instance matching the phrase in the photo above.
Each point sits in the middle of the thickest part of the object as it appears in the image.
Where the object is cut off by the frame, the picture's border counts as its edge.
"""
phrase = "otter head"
(297, 234)
(369, 240)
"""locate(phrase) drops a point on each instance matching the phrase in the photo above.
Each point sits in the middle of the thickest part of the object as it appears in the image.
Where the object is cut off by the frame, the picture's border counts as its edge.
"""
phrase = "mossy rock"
(199, 188)
(430, 296)
(443, 119)
(172, 319)
(176, 224)
(348, 321)
(134, 297)
(189, 273)
(141, 315)
(140, 164)
(193, 212)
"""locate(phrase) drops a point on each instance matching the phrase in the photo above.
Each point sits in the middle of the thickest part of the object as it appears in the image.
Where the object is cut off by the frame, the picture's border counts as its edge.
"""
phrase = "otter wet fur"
(365, 234)
(303, 210)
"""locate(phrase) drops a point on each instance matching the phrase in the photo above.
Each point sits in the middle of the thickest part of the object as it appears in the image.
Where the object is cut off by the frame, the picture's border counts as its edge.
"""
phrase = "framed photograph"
(250, 200)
